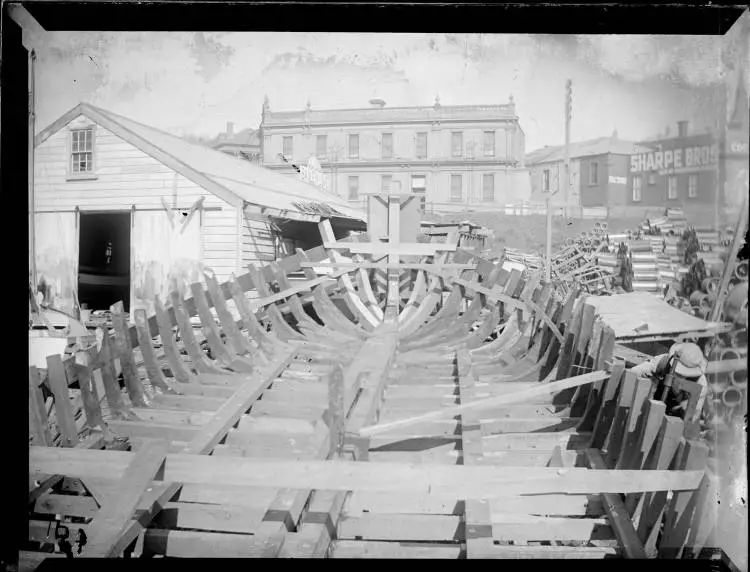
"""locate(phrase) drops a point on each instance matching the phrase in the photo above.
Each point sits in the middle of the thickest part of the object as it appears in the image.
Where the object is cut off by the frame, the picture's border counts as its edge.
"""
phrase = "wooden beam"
(516, 397)
(105, 540)
(458, 481)
(231, 412)
(618, 516)
(403, 249)
(388, 265)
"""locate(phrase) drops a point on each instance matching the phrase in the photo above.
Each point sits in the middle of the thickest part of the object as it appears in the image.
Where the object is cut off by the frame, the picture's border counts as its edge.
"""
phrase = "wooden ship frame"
(416, 402)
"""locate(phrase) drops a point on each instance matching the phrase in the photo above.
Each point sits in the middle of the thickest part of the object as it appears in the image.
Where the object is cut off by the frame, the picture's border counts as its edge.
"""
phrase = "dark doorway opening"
(104, 260)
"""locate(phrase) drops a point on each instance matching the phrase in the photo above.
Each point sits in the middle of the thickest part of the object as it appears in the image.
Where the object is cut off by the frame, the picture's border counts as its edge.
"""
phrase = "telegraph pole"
(566, 176)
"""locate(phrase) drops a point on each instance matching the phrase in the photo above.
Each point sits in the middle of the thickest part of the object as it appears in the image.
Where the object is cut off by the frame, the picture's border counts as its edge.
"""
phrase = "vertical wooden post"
(125, 353)
(393, 296)
(336, 413)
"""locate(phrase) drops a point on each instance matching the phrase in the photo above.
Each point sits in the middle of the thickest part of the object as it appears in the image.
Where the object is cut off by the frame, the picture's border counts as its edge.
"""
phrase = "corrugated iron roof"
(226, 176)
(600, 146)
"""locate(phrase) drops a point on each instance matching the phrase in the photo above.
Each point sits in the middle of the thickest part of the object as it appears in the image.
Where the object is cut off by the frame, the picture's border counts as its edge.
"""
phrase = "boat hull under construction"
(454, 410)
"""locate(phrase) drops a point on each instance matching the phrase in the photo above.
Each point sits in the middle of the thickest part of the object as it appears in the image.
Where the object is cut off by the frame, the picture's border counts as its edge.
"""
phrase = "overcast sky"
(194, 83)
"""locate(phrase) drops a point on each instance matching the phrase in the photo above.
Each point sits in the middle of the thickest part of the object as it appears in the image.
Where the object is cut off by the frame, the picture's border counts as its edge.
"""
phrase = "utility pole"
(566, 177)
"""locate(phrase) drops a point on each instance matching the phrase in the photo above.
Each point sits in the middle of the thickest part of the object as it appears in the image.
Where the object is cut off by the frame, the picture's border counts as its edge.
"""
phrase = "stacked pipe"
(676, 217)
(645, 270)
(728, 389)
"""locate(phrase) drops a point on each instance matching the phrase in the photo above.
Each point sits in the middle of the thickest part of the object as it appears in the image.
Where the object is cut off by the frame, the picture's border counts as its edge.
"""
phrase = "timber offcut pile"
(469, 413)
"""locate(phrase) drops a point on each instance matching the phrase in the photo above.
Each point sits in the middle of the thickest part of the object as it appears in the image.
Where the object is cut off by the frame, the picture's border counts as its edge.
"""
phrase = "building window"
(353, 188)
(385, 183)
(387, 145)
(288, 148)
(488, 187)
(545, 181)
(354, 146)
(457, 144)
(82, 150)
(489, 143)
(692, 186)
(321, 146)
(419, 187)
(421, 145)
(652, 178)
(456, 190)
(672, 187)
(637, 189)
(594, 173)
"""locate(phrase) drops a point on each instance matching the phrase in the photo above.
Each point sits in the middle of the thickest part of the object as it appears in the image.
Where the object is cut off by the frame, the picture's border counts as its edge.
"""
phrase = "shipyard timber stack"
(416, 401)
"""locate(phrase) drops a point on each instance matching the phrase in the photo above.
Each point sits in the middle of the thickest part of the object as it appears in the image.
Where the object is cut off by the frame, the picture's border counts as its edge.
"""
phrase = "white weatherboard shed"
(123, 208)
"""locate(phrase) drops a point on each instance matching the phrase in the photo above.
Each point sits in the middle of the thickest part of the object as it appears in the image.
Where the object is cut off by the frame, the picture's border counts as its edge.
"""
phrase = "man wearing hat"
(669, 372)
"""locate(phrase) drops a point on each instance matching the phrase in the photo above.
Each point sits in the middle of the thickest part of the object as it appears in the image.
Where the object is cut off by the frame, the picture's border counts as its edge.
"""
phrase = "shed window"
(82, 150)
(594, 173)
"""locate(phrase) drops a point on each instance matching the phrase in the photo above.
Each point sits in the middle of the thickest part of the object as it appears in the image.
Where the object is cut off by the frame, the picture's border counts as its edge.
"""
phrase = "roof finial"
(308, 105)
(510, 99)
(614, 133)
(266, 104)
(437, 100)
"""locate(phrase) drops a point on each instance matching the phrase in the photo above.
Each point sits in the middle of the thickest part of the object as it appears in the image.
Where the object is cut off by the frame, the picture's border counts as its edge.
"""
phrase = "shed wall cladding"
(125, 176)
(258, 246)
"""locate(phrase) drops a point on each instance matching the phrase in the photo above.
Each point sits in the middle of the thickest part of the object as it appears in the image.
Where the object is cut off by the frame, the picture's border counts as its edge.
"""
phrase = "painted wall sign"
(618, 180)
(312, 173)
(688, 159)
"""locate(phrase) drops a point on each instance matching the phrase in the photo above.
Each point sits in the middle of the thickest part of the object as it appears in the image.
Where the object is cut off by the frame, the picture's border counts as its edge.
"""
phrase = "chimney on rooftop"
(377, 103)
(230, 128)
(682, 128)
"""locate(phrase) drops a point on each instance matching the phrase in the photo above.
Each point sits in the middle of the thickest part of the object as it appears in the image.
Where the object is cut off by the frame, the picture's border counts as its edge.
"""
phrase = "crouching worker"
(679, 381)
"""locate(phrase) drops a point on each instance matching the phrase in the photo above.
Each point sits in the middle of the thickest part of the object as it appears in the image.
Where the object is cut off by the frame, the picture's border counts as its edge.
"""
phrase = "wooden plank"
(516, 397)
(608, 406)
(38, 426)
(548, 552)
(402, 527)
(239, 343)
(64, 414)
(400, 550)
(616, 435)
(641, 440)
(634, 425)
(383, 249)
(218, 518)
(222, 350)
(280, 326)
(618, 516)
(229, 413)
(478, 527)
(268, 343)
(465, 482)
(318, 528)
(650, 506)
(682, 506)
(155, 375)
(107, 527)
(389, 265)
(90, 397)
(164, 325)
(124, 352)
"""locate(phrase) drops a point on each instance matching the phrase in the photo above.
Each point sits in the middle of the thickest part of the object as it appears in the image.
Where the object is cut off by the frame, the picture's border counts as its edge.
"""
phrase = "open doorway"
(104, 260)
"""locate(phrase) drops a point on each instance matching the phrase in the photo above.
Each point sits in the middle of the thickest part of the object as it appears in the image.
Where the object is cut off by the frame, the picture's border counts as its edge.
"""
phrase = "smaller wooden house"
(121, 209)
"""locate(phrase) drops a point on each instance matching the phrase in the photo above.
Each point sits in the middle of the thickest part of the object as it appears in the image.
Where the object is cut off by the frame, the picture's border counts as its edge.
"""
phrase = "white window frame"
(485, 199)
(546, 180)
(457, 152)
(284, 140)
(637, 189)
(421, 191)
(693, 185)
(350, 138)
(383, 147)
(416, 150)
(489, 150)
(460, 197)
(90, 173)
(672, 188)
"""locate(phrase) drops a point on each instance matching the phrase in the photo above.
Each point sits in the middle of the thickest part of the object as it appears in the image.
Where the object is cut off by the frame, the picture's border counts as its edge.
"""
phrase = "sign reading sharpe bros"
(688, 159)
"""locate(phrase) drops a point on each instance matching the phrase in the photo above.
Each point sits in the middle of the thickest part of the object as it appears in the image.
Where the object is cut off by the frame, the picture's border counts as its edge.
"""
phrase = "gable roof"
(235, 181)
(246, 137)
(600, 146)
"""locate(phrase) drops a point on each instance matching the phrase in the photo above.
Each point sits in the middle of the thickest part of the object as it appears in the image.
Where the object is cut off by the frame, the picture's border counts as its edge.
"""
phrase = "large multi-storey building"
(455, 156)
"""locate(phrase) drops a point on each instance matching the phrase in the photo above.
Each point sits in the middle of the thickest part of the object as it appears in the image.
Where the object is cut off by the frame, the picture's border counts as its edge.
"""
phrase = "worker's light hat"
(690, 360)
